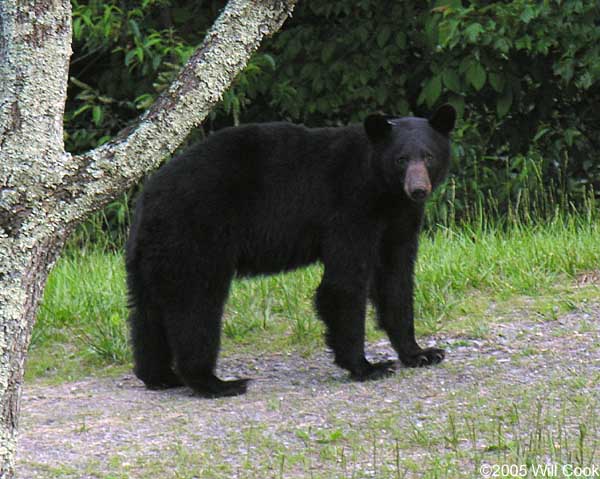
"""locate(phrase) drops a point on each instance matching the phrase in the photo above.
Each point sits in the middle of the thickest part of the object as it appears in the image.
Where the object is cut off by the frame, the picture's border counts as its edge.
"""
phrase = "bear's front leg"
(392, 293)
(341, 304)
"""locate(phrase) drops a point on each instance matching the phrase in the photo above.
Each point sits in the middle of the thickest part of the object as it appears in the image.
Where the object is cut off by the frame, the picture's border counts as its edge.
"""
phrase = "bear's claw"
(423, 357)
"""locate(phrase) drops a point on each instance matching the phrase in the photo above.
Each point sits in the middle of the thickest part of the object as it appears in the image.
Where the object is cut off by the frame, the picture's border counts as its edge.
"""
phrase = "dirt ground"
(112, 427)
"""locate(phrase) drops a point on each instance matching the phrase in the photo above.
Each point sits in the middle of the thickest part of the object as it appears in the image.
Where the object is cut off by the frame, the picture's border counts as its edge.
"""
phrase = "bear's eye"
(401, 159)
(428, 158)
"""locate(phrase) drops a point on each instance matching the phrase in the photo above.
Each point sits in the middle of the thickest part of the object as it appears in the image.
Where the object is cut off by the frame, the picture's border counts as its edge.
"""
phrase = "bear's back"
(270, 188)
(240, 167)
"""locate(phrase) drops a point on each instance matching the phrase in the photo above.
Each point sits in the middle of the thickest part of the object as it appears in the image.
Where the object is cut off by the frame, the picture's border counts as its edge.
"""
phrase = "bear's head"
(412, 154)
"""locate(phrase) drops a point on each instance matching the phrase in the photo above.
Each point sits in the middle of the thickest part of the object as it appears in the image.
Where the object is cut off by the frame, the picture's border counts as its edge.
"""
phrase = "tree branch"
(103, 173)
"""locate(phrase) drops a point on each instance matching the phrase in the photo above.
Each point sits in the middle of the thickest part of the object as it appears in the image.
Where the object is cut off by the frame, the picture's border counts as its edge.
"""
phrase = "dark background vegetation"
(524, 76)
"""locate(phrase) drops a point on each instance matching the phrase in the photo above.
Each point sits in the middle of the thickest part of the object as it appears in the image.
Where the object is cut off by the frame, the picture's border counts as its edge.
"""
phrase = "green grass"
(81, 320)
(461, 271)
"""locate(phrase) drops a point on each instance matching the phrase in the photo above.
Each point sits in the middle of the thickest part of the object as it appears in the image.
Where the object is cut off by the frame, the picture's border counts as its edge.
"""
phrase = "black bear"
(265, 198)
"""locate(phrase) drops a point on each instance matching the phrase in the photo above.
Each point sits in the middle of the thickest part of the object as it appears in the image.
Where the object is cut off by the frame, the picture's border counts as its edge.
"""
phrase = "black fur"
(261, 199)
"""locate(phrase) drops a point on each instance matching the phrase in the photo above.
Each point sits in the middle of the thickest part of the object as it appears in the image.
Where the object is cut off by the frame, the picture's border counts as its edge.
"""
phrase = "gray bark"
(45, 192)
(34, 56)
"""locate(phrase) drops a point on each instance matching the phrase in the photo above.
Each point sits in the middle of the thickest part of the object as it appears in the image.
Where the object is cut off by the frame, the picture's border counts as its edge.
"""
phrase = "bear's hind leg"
(151, 351)
(194, 330)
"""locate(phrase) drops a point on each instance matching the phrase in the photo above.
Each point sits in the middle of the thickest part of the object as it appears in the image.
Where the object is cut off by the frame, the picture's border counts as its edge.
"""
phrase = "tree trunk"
(34, 61)
(45, 192)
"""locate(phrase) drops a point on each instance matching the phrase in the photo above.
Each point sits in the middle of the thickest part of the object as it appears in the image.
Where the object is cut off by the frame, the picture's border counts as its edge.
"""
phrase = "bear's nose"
(417, 184)
(419, 194)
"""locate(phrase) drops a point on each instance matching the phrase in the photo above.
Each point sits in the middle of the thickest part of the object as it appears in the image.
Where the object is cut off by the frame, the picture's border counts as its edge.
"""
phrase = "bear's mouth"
(419, 195)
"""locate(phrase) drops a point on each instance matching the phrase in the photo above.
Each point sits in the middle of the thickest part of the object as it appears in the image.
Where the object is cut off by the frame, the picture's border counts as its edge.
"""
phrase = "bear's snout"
(417, 184)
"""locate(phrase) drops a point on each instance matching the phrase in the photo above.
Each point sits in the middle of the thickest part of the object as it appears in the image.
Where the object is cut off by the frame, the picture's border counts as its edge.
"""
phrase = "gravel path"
(295, 407)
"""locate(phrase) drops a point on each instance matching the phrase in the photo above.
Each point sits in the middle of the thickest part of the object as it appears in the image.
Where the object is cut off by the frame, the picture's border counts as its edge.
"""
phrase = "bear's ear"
(377, 126)
(443, 119)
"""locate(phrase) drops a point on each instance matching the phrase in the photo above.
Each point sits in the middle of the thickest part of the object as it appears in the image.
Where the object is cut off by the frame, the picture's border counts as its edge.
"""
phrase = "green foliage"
(81, 321)
(124, 54)
(532, 72)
